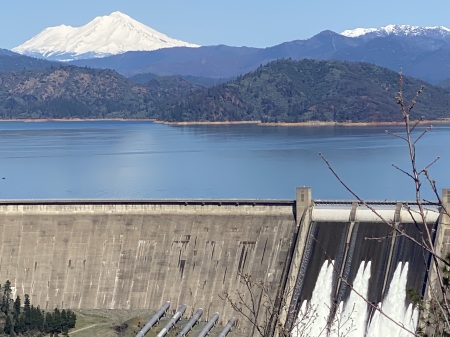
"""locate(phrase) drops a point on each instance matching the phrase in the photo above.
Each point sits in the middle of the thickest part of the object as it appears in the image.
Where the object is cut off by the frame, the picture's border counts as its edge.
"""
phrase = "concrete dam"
(112, 254)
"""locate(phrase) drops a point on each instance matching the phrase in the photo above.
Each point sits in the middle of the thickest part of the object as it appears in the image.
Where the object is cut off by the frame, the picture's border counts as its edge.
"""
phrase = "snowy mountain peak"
(103, 36)
(118, 14)
(399, 30)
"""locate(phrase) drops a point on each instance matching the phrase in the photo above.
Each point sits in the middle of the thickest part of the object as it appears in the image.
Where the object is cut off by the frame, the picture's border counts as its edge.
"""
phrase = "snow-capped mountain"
(399, 30)
(105, 35)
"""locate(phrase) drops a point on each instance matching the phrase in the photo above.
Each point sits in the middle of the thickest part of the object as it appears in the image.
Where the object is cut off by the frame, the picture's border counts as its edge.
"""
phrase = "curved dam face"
(140, 254)
(137, 255)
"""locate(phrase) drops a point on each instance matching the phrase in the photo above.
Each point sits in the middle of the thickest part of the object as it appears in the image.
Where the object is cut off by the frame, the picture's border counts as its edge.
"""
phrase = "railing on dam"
(180, 202)
(371, 202)
(204, 202)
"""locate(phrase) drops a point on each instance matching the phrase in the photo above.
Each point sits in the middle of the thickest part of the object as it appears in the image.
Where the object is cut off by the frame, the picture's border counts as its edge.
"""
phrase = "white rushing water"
(351, 319)
(313, 315)
(394, 307)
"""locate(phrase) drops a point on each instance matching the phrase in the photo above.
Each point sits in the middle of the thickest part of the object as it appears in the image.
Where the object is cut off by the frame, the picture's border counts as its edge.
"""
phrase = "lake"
(145, 160)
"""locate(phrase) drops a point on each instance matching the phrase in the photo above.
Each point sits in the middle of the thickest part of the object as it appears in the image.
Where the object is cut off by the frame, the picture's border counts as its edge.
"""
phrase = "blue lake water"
(145, 160)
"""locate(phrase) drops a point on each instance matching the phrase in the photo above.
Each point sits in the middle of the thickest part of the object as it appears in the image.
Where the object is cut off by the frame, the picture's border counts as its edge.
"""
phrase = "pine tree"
(16, 308)
(56, 321)
(8, 325)
(64, 321)
(6, 298)
(27, 312)
(72, 317)
(19, 325)
(48, 323)
(37, 319)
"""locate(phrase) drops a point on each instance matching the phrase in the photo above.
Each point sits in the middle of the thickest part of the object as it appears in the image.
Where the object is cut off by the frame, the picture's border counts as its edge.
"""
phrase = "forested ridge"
(70, 92)
(281, 91)
(307, 90)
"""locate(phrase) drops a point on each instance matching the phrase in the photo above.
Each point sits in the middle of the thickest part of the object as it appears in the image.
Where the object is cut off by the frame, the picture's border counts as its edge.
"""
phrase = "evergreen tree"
(37, 319)
(16, 308)
(48, 323)
(72, 317)
(27, 312)
(19, 325)
(6, 298)
(64, 321)
(56, 321)
(8, 325)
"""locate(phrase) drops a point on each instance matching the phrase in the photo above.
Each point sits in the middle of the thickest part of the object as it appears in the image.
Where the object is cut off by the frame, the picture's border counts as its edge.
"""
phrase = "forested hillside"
(74, 92)
(68, 92)
(200, 81)
(299, 91)
(281, 91)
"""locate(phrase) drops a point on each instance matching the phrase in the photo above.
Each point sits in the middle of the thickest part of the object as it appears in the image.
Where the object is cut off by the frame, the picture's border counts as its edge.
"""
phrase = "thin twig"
(422, 134)
(429, 165)
(395, 135)
(402, 171)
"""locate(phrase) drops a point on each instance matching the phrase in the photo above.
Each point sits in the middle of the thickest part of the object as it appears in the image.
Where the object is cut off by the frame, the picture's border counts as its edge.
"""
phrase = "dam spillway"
(349, 247)
(350, 242)
(115, 254)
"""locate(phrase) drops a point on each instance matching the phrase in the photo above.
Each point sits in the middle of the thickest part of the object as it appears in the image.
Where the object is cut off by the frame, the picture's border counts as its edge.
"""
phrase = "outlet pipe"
(191, 323)
(172, 321)
(228, 327)
(212, 321)
(155, 319)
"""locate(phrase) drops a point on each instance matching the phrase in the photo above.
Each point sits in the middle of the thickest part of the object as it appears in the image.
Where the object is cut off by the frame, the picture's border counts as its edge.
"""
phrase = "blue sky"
(252, 23)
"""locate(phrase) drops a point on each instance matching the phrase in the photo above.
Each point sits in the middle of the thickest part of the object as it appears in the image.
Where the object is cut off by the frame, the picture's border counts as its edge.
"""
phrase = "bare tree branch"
(422, 134)
(395, 135)
(403, 171)
(425, 169)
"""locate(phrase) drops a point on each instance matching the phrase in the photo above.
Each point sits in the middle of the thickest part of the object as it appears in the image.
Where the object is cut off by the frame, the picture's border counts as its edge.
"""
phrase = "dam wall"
(140, 254)
(115, 254)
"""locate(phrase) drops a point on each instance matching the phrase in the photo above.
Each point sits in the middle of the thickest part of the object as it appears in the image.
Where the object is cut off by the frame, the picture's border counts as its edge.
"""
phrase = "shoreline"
(284, 124)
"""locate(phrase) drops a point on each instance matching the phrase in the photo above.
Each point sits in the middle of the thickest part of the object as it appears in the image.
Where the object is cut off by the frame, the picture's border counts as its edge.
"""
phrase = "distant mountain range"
(437, 32)
(103, 36)
(418, 56)
(134, 48)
